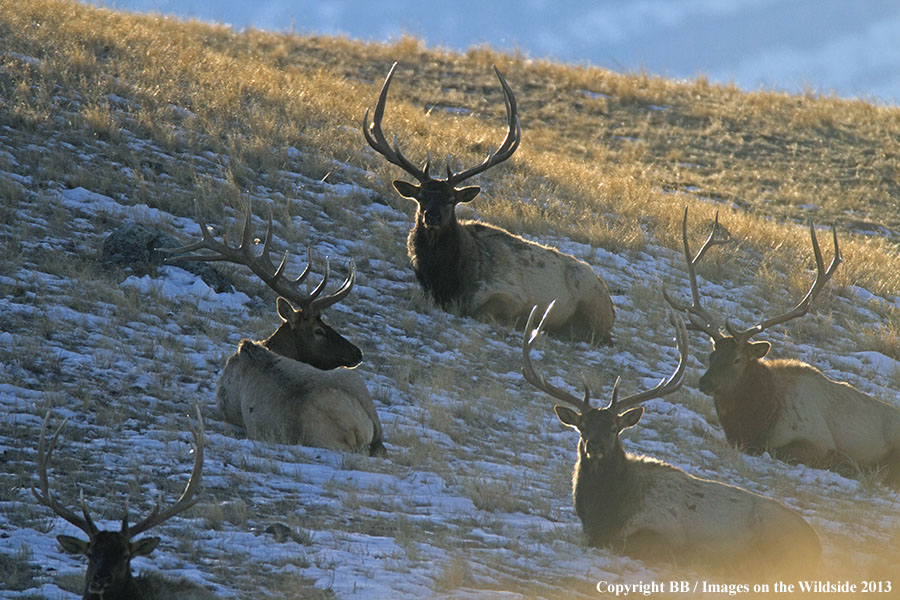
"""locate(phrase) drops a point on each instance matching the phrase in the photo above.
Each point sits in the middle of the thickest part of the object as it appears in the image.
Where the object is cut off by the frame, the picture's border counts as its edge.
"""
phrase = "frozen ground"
(474, 499)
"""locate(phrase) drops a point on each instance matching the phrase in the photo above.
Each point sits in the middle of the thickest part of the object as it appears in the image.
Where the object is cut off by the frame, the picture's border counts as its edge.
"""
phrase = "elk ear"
(285, 310)
(629, 418)
(406, 189)
(73, 545)
(567, 416)
(144, 546)
(759, 349)
(467, 194)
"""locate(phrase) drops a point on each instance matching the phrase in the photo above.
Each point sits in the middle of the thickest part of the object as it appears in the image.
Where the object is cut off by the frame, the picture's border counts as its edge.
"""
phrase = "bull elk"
(109, 553)
(482, 270)
(651, 510)
(294, 386)
(788, 407)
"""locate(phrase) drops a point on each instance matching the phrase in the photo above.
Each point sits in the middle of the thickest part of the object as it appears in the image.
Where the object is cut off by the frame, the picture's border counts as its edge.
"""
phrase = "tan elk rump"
(297, 386)
(482, 270)
(787, 407)
(648, 509)
(109, 553)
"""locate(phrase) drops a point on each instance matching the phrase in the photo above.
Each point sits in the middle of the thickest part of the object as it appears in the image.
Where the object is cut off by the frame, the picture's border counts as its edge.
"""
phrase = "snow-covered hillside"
(474, 498)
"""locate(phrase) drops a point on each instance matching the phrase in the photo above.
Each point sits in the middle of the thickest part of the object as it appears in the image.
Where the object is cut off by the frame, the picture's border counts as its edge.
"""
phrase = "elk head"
(599, 428)
(437, 198)
(109, 553)
(733, 351)
(303, 334)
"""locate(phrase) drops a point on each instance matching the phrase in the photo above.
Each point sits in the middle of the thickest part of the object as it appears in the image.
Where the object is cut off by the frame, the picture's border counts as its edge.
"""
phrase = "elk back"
(516, 274)
(282, 400)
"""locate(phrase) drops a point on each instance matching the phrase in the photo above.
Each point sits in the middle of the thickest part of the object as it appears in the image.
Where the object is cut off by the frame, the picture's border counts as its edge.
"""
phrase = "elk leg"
(500, 308)
(801, 451)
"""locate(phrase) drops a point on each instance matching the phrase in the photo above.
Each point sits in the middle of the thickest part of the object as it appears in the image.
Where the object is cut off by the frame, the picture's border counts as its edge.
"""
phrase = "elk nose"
(703, 384)
(98, 585)
(357, 357)
(432, 218)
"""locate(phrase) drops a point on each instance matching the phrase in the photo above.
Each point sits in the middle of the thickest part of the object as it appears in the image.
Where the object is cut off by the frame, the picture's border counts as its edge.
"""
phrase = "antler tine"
(261, 265)
(320, 304)
(665, 386)
(510, 143)
(528, 339)
(43, 493)
(700, 319)
(375, 136)
(822, 277)
(186, 500)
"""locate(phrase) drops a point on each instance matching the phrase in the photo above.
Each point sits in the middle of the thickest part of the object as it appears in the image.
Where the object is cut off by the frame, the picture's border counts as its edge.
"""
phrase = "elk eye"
(319, 331)
(736, 360)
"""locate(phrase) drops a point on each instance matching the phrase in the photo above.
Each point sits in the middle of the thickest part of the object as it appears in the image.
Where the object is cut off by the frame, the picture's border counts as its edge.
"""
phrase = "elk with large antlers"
(651, 510)
(109, 553)
(788, 407)
(480, 269)
(293, 387)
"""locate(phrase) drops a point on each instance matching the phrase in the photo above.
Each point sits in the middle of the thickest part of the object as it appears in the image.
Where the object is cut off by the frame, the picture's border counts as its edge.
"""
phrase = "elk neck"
(282, 342)
(604, 492)
(748, 408)
(442, 259)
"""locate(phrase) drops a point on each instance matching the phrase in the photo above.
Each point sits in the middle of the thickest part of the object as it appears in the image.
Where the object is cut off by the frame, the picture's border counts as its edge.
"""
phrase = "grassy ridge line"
(584, 157)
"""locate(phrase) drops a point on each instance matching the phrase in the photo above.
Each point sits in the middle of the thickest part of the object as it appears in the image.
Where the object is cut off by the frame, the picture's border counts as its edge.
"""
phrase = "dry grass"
(599, 170)
(110, 93)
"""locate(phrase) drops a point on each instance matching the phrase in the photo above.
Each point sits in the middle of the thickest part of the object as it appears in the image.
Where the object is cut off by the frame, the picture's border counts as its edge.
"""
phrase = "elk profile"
(482, 270)
(651, 510)
(293, 387)
(109, 553)
(783, 406)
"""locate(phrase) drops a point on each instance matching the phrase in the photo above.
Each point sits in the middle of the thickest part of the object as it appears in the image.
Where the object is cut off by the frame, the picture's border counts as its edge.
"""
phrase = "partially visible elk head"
(600, 427)
(437, 198)
(733, 351)
(109, 553)
(303, 334)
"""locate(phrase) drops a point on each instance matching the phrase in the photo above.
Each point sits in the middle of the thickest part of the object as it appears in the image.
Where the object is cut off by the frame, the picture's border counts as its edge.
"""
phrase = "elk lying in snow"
(485, 271)
(651, 510)
(292, 387)
(788, 407)
(109, 553)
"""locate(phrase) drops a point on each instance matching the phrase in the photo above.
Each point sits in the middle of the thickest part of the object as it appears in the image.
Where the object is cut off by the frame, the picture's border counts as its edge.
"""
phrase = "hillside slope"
(110, 119)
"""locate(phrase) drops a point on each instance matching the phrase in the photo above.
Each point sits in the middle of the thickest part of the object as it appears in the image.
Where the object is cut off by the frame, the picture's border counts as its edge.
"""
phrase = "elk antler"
(531, 336)
(700, 319)
(262, 265)
(186, 500)
(822, 277)
(375, 137)
(666, 386)
(510, 142)
(45, 496)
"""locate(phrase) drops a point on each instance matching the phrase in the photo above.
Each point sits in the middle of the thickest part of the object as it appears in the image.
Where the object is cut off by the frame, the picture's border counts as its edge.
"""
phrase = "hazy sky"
(850, 48)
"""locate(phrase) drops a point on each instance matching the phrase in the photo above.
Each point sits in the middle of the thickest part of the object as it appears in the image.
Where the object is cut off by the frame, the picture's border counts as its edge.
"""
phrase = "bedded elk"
(483, 270)
(651, 510)
(109, 553)
(293, 387)
(784, 406)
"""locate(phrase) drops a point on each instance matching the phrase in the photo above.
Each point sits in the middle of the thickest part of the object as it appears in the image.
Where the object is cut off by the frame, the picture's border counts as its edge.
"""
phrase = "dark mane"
(750, 413)
(442, 262)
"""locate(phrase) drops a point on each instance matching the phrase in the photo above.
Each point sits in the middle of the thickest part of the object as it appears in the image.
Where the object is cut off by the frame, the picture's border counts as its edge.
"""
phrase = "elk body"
(787, 407)
(651, 510)
(485, 271)
(297, 386)
(109, 553)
